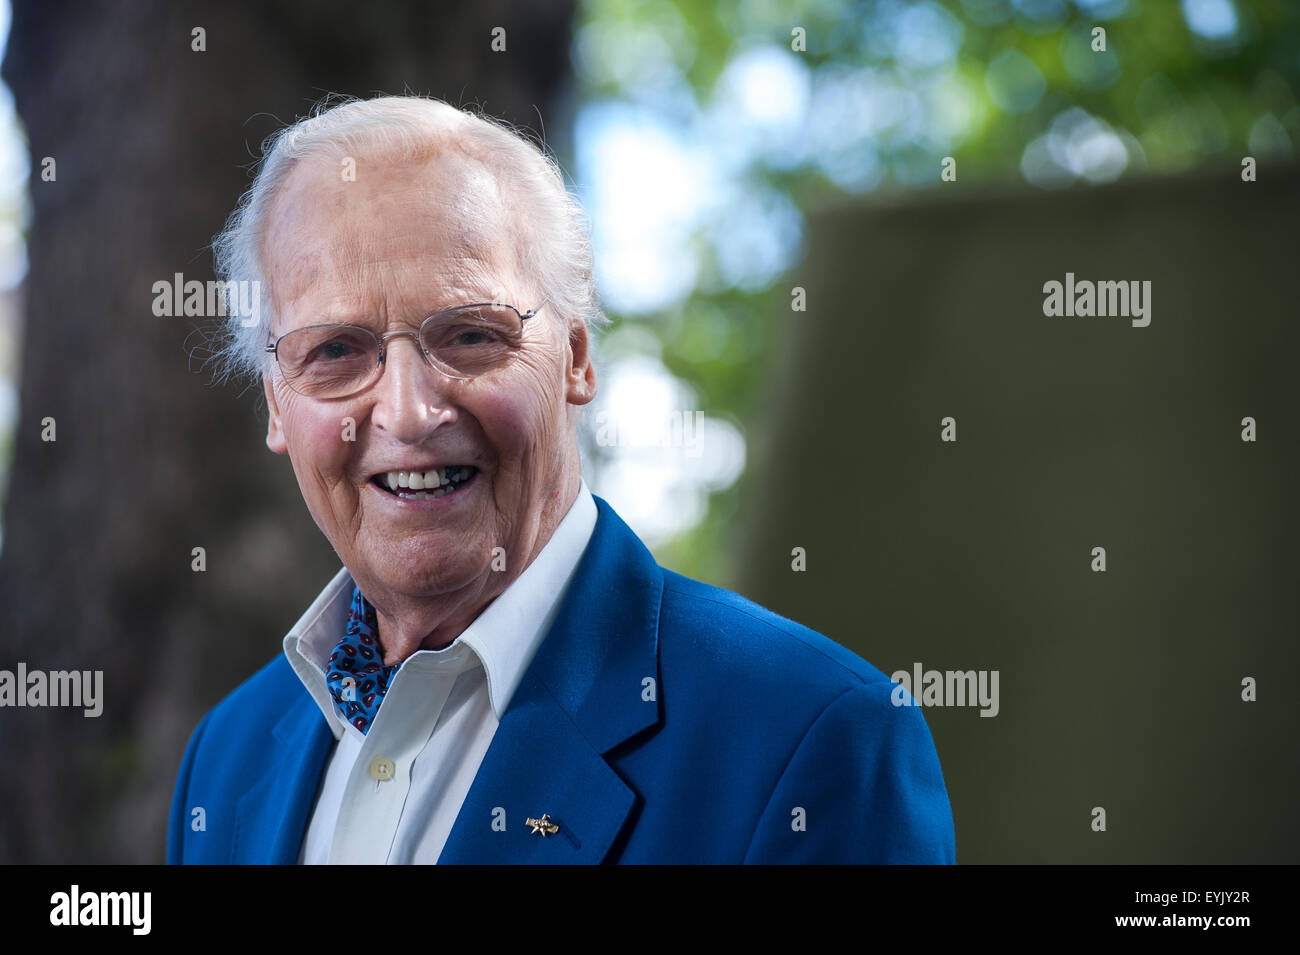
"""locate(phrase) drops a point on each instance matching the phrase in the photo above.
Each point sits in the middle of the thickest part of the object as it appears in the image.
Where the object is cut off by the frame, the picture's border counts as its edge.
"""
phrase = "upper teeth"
(419, 480)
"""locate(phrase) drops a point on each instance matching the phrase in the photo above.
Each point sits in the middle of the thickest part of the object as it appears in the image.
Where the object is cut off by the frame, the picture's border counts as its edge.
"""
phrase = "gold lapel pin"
(543, 825)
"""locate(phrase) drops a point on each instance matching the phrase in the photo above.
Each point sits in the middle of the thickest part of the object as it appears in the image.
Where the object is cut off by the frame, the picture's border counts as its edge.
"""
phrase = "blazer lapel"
(593, 685)
(272, 817)
(539, 764)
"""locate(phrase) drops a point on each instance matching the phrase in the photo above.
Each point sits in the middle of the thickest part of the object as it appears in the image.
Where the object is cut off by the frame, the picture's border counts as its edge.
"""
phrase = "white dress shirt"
(393, 794)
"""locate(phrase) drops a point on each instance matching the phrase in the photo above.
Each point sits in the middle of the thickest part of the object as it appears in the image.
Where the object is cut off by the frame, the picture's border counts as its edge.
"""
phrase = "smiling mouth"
(425, 485)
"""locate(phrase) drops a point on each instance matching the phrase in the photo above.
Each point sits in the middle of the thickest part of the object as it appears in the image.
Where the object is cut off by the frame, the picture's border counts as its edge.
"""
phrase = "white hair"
(553, 247)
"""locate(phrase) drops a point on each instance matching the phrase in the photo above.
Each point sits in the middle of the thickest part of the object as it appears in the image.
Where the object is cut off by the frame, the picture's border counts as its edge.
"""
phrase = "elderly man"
(500, 672)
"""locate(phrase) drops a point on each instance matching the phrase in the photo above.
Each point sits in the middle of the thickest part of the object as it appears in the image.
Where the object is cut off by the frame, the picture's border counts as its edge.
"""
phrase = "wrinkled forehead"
(438, 218)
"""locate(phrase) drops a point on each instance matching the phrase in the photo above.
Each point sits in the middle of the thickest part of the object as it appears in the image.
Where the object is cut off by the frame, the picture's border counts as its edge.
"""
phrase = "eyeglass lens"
(324, 361)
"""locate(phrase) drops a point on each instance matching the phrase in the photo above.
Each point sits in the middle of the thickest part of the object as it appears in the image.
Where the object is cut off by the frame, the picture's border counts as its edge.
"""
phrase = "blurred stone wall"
(1119, 689)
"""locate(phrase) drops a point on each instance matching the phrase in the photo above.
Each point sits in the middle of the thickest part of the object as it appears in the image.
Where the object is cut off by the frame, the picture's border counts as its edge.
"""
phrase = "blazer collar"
(605, 640)
(272, 817)
(593, 684)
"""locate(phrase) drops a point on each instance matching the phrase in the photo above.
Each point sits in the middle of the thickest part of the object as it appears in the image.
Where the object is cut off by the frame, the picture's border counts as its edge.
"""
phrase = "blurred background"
(820, 227)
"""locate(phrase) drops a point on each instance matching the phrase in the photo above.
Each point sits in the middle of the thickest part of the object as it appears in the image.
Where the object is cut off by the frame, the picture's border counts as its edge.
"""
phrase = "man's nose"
(411, 396)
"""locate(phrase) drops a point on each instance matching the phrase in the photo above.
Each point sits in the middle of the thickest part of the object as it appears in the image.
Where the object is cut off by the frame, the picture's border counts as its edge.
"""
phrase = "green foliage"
(1023, 96)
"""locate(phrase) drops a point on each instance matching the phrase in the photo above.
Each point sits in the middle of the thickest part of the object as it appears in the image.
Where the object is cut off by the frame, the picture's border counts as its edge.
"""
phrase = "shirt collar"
(504, 637)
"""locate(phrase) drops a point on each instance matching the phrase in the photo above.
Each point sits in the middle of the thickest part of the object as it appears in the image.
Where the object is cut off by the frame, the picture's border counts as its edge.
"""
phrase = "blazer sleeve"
(180, 812)
(863, 786)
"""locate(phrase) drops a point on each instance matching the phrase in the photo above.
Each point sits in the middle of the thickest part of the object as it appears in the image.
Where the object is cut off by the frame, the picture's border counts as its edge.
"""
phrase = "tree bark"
(153, 143)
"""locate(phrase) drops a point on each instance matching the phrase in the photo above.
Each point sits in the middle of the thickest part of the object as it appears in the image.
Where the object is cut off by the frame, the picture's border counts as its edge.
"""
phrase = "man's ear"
(580, 378)
(274, 428)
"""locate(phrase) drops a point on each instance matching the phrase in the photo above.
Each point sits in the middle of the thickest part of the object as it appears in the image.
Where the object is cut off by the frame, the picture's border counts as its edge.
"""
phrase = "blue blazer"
(661, 721)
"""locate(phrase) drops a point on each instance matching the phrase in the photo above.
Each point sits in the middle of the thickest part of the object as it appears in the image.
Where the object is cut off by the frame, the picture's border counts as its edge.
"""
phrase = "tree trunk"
(152, 141)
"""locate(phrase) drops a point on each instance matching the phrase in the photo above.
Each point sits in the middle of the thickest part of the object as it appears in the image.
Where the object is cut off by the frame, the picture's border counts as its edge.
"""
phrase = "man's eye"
(475, 336)
(332, 351)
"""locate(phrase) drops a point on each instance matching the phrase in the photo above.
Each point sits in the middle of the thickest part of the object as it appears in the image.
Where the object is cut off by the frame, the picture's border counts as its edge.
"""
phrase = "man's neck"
(409, 624)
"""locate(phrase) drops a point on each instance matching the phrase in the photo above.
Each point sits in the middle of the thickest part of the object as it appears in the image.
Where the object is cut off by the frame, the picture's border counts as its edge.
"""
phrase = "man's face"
(402, 241)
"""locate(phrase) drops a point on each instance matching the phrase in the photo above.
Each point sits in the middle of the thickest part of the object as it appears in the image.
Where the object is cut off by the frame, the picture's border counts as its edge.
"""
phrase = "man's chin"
(438, 568)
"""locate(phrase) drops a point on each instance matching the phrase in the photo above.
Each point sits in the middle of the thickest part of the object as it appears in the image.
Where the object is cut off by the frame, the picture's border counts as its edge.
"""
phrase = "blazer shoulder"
(741, 639)
(266, 729)
(261, 699)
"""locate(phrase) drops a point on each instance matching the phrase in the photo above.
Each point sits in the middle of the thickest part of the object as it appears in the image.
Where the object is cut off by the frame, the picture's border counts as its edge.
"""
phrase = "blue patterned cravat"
(360, 660)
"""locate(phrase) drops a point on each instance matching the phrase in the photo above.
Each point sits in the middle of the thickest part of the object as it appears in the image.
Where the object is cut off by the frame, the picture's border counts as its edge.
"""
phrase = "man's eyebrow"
(335, 316)
(345, 310)
(348, 311)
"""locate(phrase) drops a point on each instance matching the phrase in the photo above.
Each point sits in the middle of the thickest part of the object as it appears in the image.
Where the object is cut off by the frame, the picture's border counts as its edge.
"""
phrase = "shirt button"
(382, 768)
